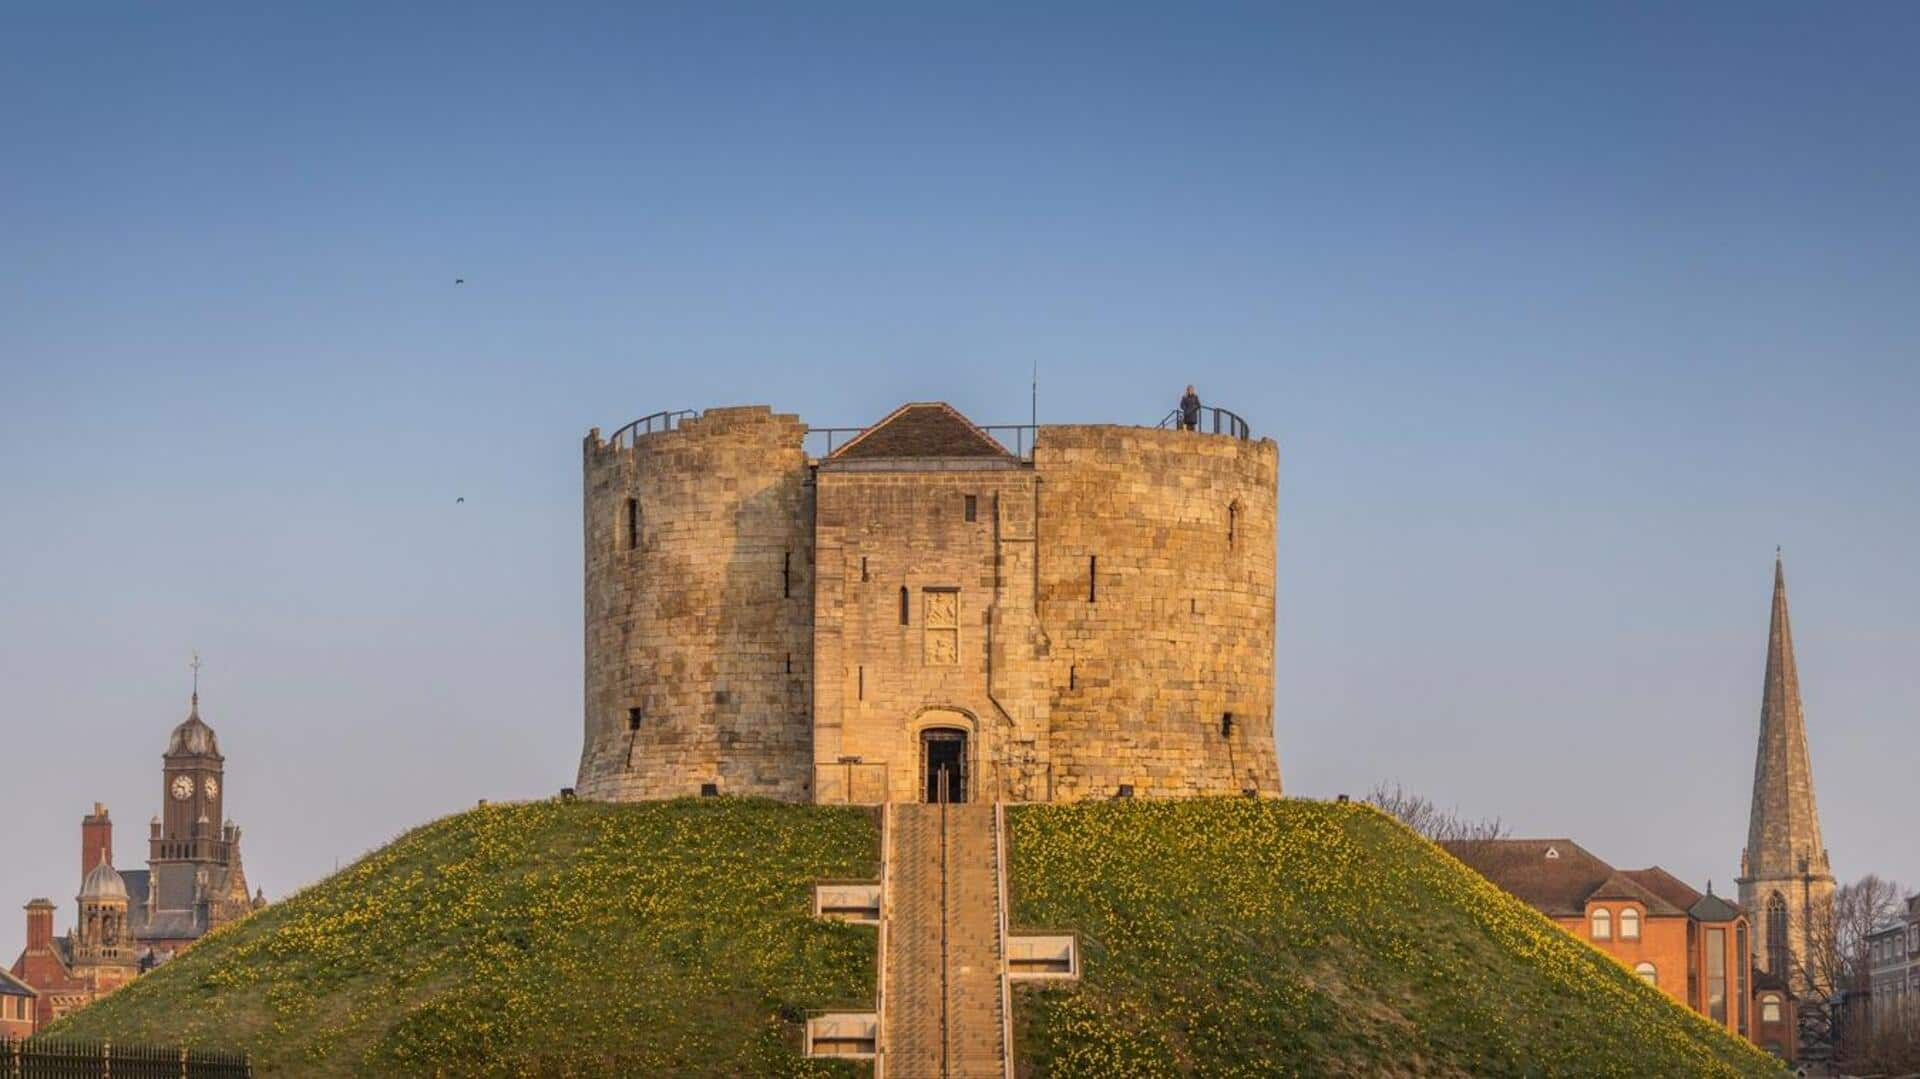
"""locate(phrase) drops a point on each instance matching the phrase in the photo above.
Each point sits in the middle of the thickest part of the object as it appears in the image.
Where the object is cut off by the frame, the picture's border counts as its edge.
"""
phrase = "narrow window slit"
(903, 605)
(786, 574)
(633, 524)
(1093, 578)
(860, 686)
(972, 507)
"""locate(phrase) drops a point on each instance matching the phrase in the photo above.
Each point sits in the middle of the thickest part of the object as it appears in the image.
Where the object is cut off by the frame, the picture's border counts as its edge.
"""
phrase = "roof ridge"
(984, 440)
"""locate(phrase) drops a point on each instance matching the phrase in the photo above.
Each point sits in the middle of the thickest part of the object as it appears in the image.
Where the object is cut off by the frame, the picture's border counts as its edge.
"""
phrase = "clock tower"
(189, 846)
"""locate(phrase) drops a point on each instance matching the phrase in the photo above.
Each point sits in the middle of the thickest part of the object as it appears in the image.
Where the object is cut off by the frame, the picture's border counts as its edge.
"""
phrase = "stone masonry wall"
(1175, 531)
(881, 679)
(704, 624)
(710, 623)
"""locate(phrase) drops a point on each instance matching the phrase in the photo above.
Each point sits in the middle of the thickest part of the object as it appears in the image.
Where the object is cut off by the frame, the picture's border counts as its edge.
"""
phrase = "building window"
(1742, 959)
(1630, 924)
(903, 605)
(942, 627)
(1717, 975)
(786, 574)
(1769, 1009)
(634, 716)
(1093, 578)
(863, 569)
(1233, 521)
(633, 524)
(1776, 935)
(972, 508)
(1647, 973)
(1603, 924)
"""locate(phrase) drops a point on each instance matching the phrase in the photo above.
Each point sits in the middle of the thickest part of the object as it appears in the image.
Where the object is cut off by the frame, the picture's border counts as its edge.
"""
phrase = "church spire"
(1783, 832)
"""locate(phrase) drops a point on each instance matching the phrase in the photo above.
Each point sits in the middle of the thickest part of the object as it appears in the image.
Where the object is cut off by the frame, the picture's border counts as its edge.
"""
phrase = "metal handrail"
(1220, 420)
(1020, 442)
(646, 425)
(1021, 436)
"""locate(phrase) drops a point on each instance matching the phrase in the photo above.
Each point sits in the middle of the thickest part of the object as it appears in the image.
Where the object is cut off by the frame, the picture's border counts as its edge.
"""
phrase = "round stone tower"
(698, 557)
(928, 610)
(1156, 590)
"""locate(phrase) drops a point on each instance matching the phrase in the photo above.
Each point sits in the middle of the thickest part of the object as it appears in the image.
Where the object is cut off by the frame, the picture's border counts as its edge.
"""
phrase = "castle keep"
(915, 612)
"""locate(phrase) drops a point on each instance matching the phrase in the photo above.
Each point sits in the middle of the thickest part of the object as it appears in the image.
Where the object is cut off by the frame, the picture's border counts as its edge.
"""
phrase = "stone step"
(943, 1015)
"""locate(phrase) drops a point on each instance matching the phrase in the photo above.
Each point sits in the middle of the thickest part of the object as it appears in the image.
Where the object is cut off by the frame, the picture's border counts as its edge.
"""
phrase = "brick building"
(1692, 946)
(18, 1007)
(1893, 972)
(914, 611)
(126, 922)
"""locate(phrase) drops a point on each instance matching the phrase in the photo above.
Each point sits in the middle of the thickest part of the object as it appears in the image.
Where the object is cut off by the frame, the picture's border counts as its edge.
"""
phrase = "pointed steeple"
(1783, 831)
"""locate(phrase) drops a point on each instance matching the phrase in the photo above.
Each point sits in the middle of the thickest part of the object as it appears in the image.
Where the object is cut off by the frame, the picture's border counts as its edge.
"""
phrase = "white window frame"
(1629, 916)
(1647, 972)
(1600, 924)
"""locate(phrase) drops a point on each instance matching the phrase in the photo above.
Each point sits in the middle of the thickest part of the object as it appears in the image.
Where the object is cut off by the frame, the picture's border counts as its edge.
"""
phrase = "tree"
(1424, 816)
(1836, 965)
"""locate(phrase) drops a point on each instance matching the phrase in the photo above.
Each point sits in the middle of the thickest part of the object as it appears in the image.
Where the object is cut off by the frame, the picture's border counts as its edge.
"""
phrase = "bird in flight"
(459, 500)
(459, 280)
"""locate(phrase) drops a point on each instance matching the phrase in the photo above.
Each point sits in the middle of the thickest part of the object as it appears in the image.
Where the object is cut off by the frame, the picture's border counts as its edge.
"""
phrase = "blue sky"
(1562, 316)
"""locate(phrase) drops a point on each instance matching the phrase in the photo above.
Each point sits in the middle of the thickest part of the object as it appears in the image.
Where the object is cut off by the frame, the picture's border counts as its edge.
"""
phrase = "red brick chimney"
(96, 839)
(39, 925)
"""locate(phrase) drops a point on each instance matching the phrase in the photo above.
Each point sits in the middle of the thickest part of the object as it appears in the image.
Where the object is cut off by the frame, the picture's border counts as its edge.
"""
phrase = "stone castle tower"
(912, 612)
(1784, 875)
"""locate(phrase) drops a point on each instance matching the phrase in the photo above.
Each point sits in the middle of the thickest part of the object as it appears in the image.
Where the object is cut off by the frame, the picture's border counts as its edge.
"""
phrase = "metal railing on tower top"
(647, 425)
(1016, 437)
(1217, 421)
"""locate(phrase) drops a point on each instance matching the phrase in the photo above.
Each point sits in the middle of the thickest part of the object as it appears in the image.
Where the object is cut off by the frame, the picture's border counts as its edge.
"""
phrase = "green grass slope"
(1220, 937)
(672, 938)
(1238, 937)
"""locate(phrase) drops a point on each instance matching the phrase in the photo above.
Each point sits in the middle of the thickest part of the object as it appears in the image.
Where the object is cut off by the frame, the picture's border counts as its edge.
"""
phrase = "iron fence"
(1219, 420)
(646, 425)
(1017, 438)
(43, 1059)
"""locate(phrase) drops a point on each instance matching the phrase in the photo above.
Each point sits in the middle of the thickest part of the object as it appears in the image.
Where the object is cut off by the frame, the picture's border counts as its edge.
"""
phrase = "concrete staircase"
(943, 1013)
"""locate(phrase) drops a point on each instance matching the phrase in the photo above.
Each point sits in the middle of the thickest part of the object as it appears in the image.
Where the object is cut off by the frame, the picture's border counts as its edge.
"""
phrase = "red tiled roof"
(922, 429)
(1558, 884)
(1665, 885)
(1620, 886)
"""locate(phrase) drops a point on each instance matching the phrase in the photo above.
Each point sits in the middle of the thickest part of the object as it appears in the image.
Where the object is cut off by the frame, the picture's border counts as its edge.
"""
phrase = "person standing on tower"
(1190, 411)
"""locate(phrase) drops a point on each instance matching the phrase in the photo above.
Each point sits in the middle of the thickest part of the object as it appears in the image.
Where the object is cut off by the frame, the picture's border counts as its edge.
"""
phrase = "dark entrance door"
(945, 751)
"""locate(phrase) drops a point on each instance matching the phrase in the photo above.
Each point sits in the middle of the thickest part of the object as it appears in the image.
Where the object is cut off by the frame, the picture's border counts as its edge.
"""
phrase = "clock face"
(182, 788)
(212, 787)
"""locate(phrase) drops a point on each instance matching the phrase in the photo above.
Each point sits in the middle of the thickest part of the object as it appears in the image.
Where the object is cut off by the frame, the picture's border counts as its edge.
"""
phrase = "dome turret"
(193, 738)
(103, 882)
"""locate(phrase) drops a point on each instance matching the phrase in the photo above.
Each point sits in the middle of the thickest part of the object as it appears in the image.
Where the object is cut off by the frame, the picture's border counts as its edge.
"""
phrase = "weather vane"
(196, 675)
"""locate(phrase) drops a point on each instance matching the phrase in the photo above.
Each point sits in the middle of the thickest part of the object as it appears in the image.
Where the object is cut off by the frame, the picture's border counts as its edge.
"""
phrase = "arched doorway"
(943, 764)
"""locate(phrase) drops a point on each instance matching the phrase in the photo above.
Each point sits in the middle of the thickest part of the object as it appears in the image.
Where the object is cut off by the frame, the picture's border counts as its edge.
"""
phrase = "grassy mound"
(1240, 937)
(1220, 937)
(673, 938)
